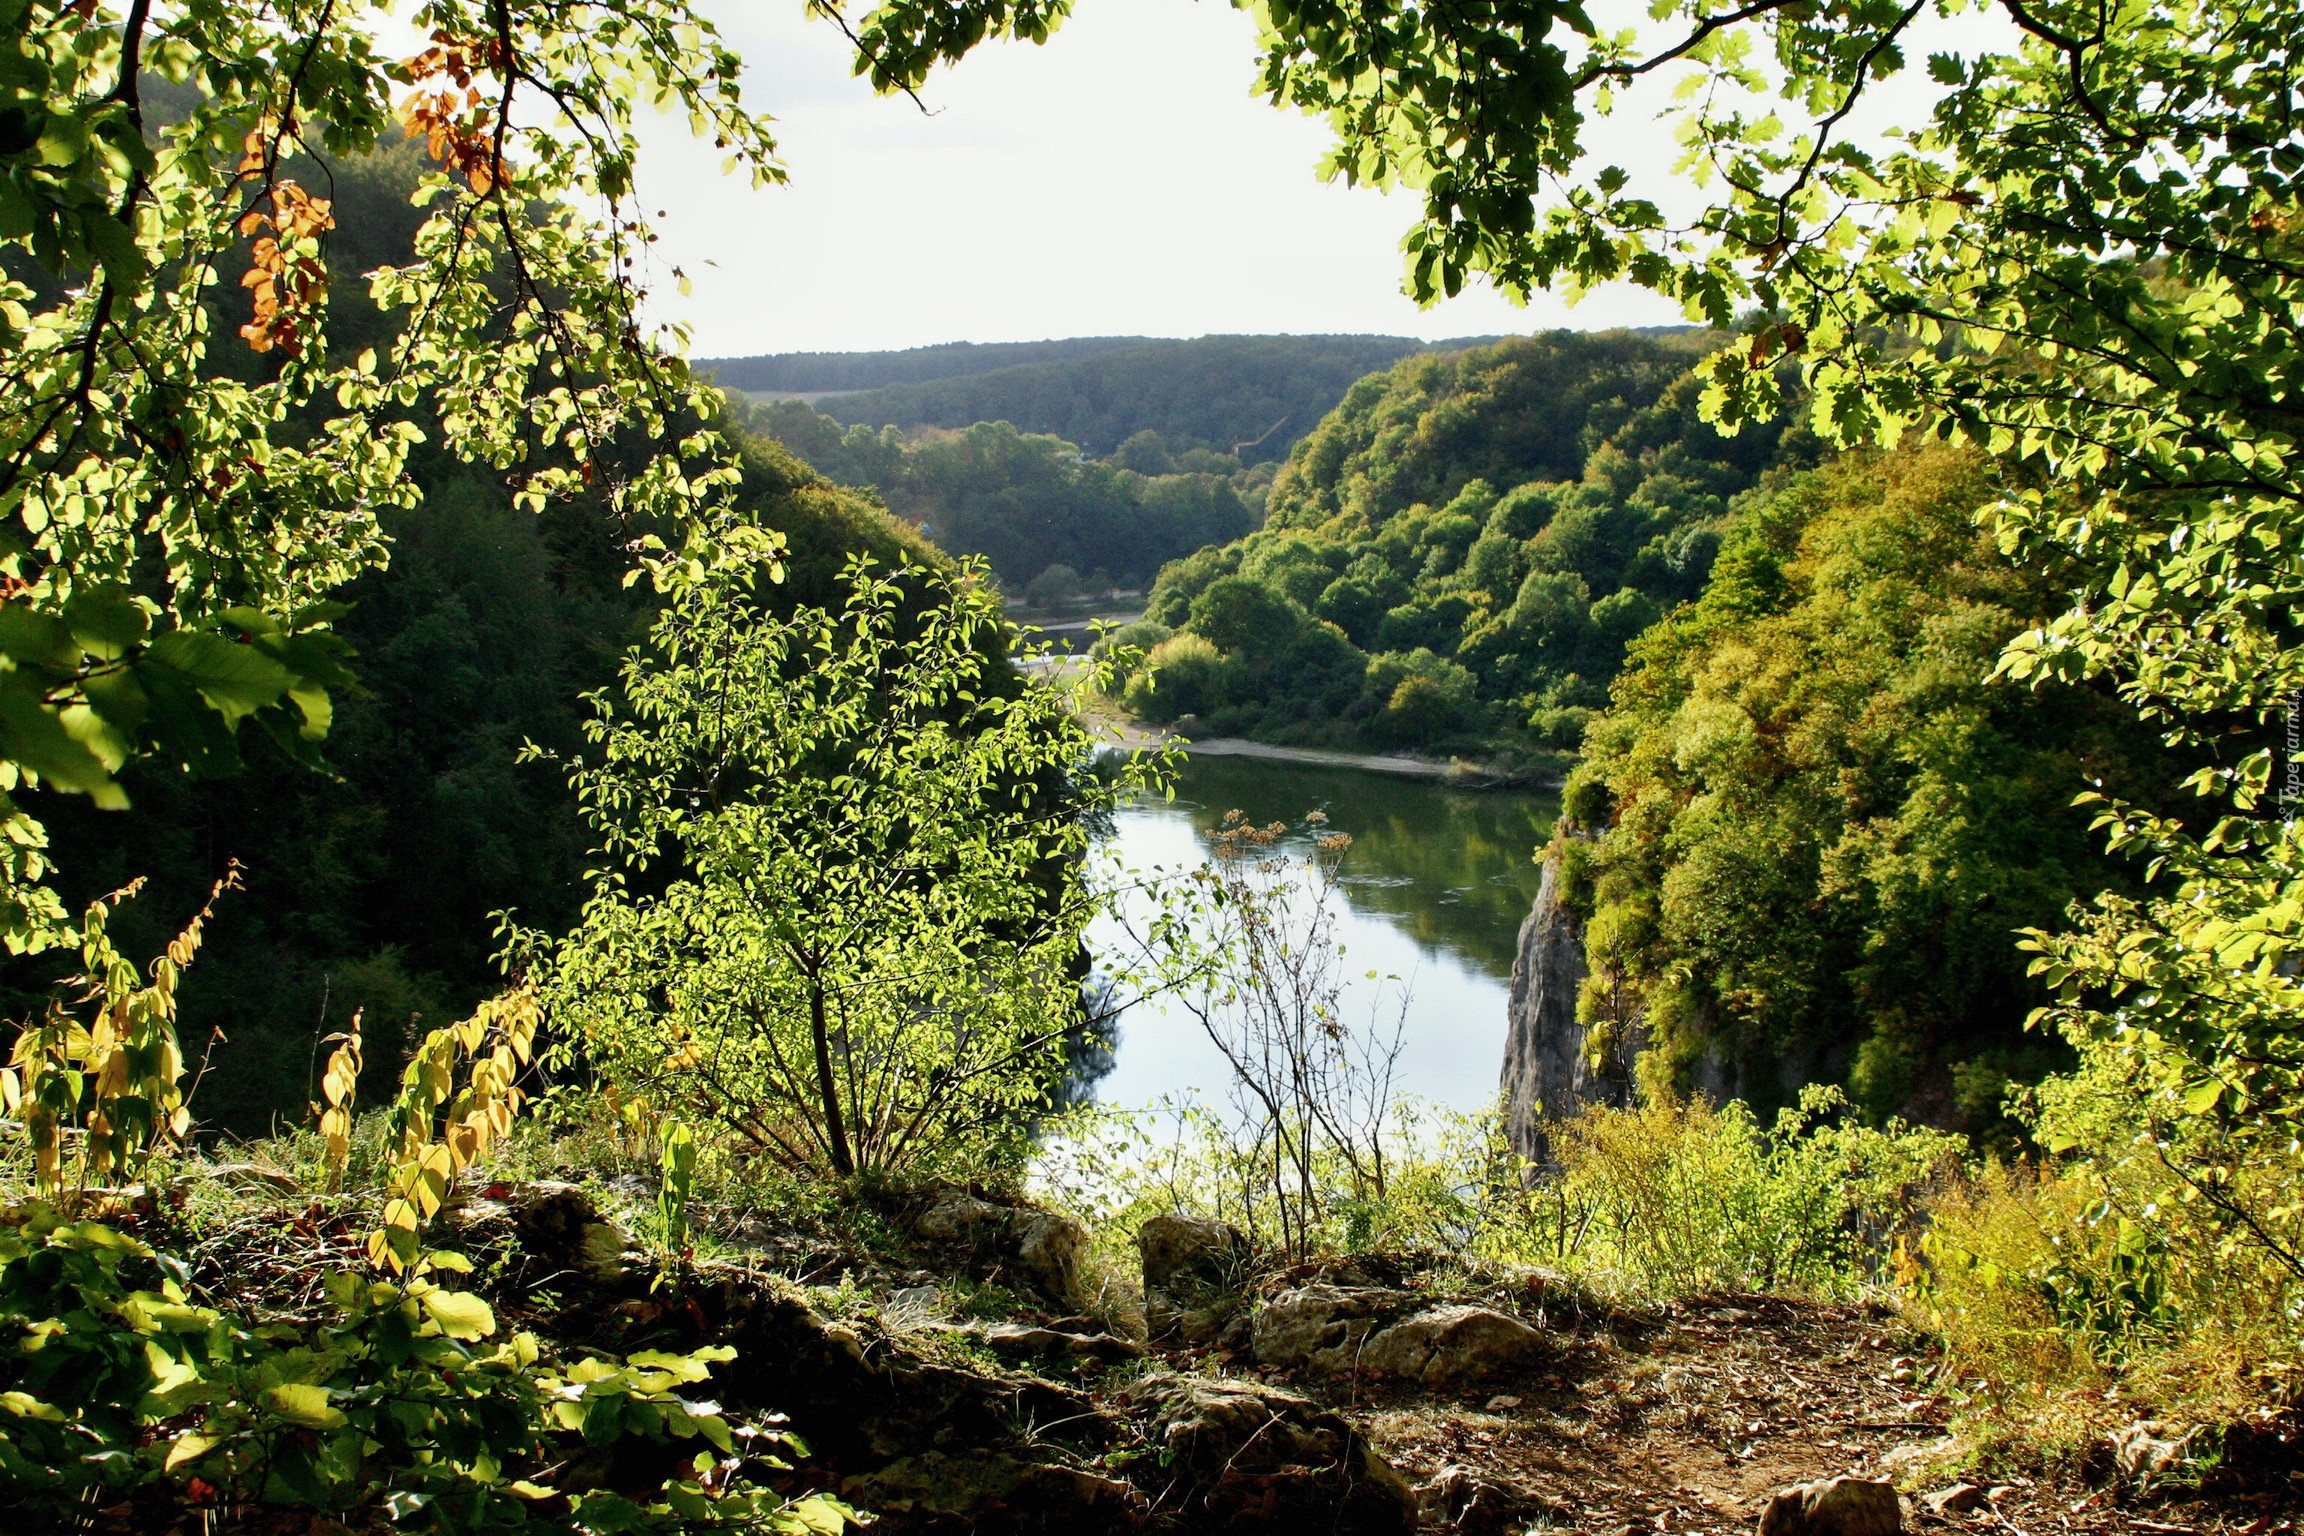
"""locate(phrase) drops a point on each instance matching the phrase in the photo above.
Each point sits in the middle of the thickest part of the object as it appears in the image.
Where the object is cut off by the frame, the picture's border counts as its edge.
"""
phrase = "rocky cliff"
(1547, 1074)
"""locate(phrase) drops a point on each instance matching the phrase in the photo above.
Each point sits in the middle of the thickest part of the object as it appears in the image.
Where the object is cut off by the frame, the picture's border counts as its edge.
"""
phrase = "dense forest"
(373, 885)
(1460, 552)
(1249, 397)
(1823, 817)
(1034, 505)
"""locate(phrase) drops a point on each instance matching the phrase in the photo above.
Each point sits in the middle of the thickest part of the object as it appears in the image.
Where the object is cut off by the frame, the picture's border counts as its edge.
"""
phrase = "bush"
(2108, 1263)
(1661, 1201)
(1679, 1198)
(861, 962)
(1184, 675)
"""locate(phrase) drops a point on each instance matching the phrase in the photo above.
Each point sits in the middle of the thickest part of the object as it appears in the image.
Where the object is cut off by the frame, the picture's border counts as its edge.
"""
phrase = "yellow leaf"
(460, 1314)
(302, 1404)
(191, 1447)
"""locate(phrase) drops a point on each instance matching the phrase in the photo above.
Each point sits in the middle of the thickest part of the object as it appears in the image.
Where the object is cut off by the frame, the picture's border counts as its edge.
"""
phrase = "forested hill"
(1459, 553)
(1250, 396)
(811, 372)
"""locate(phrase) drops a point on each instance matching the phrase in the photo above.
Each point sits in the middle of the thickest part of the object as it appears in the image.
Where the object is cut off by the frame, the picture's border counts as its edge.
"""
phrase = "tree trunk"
(827, 1087)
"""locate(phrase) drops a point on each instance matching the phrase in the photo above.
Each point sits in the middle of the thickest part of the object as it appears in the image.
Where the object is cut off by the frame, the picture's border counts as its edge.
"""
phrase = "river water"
(1434, 888)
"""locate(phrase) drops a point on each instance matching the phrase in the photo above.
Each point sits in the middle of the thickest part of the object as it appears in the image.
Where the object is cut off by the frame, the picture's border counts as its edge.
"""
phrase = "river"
(1435, 885)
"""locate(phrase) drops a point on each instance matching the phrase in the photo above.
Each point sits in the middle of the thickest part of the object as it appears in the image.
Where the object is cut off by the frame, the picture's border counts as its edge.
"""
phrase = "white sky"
(1122, 180)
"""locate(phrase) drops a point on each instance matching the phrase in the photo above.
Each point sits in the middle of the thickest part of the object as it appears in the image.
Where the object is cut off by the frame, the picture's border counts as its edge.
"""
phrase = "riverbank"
(1454, 770)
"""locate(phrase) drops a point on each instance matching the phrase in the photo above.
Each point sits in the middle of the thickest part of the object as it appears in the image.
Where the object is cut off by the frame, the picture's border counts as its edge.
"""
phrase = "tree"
(840, 908)
(177, 503)
(1823, 819)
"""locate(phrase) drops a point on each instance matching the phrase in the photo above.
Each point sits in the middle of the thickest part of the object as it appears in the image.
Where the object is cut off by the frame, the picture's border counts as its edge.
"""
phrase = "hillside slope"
(1460, 552)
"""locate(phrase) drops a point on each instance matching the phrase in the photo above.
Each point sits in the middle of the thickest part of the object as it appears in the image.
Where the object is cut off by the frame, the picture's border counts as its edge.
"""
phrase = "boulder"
(1444, 1345)
(1194, 1250)
(1836, 1506)
(1958, 1499)
(1324, 1327)
(2148, 1450)
(1461, 1500)
(1023, 1246)
(1193, 1268)
(548, 1232)
(1243, 1458)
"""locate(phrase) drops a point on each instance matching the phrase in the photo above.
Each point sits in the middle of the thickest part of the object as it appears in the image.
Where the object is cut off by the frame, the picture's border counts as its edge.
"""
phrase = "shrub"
(1673, 1198)
(402, 1404)
(862, 959)
(1184, 675)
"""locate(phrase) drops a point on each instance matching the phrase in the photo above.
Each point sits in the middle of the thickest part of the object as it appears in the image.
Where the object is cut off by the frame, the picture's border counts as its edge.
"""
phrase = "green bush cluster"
(1462, 550)
(404, 1403)
(1819, 824)
(1665, 1200)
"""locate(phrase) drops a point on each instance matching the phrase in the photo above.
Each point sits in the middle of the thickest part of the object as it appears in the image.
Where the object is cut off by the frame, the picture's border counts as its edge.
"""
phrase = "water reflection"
(1437, 881)
(1453, 868)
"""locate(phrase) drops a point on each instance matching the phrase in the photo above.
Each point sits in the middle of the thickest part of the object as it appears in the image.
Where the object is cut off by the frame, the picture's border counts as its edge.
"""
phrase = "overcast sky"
(1121, 180)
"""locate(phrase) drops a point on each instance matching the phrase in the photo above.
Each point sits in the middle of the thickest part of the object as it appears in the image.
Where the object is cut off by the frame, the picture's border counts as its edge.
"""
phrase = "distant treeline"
(809, 372)
(1251, 397)
(1031, 503)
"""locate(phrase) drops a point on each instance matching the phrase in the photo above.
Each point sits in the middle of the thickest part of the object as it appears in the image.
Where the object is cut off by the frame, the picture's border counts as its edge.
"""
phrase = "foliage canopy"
(861, 950)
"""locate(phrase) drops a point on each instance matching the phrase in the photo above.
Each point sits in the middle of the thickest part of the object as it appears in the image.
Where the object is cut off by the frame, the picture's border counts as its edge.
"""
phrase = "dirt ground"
(1688, 1421)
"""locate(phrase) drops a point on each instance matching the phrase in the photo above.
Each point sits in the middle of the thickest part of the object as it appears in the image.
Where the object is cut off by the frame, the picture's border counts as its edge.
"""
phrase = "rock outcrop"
(1323, 1327)
(1248, 1458)
(1033, 1251)
(1547, 1074)
(546, 1232)
(1441, 1346)
(1193, 1268)
(1384, 1334)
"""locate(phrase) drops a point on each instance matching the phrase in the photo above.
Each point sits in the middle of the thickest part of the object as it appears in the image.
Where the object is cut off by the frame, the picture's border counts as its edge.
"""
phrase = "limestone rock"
(1547, 1075)
(1461, 1500)
(1021, 1245)
(1193, 1266)
(2148, 1450)
(1836, 1506)
(1443, 1345)
(1958, 1499)
(1022, 1341)
(1325, 1327)
(1250, 1459)
(1196, 1249)
(549, 1229)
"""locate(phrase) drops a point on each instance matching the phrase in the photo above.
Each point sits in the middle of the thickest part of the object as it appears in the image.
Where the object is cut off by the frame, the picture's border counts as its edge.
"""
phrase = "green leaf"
(191, 1447)
(302, 1404)
(34, 735)
(106, 621)
(460, 1314)
(236, 680)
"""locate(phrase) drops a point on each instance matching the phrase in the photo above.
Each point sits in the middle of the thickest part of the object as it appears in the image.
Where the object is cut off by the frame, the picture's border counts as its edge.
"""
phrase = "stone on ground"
(1193, 1267)
(1325, 1327)
(1251, 1459)
(1835, 1506)
(1444, 1345)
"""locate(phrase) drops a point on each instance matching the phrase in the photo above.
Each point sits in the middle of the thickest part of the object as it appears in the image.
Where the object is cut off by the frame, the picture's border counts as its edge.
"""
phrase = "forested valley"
(560, 933)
